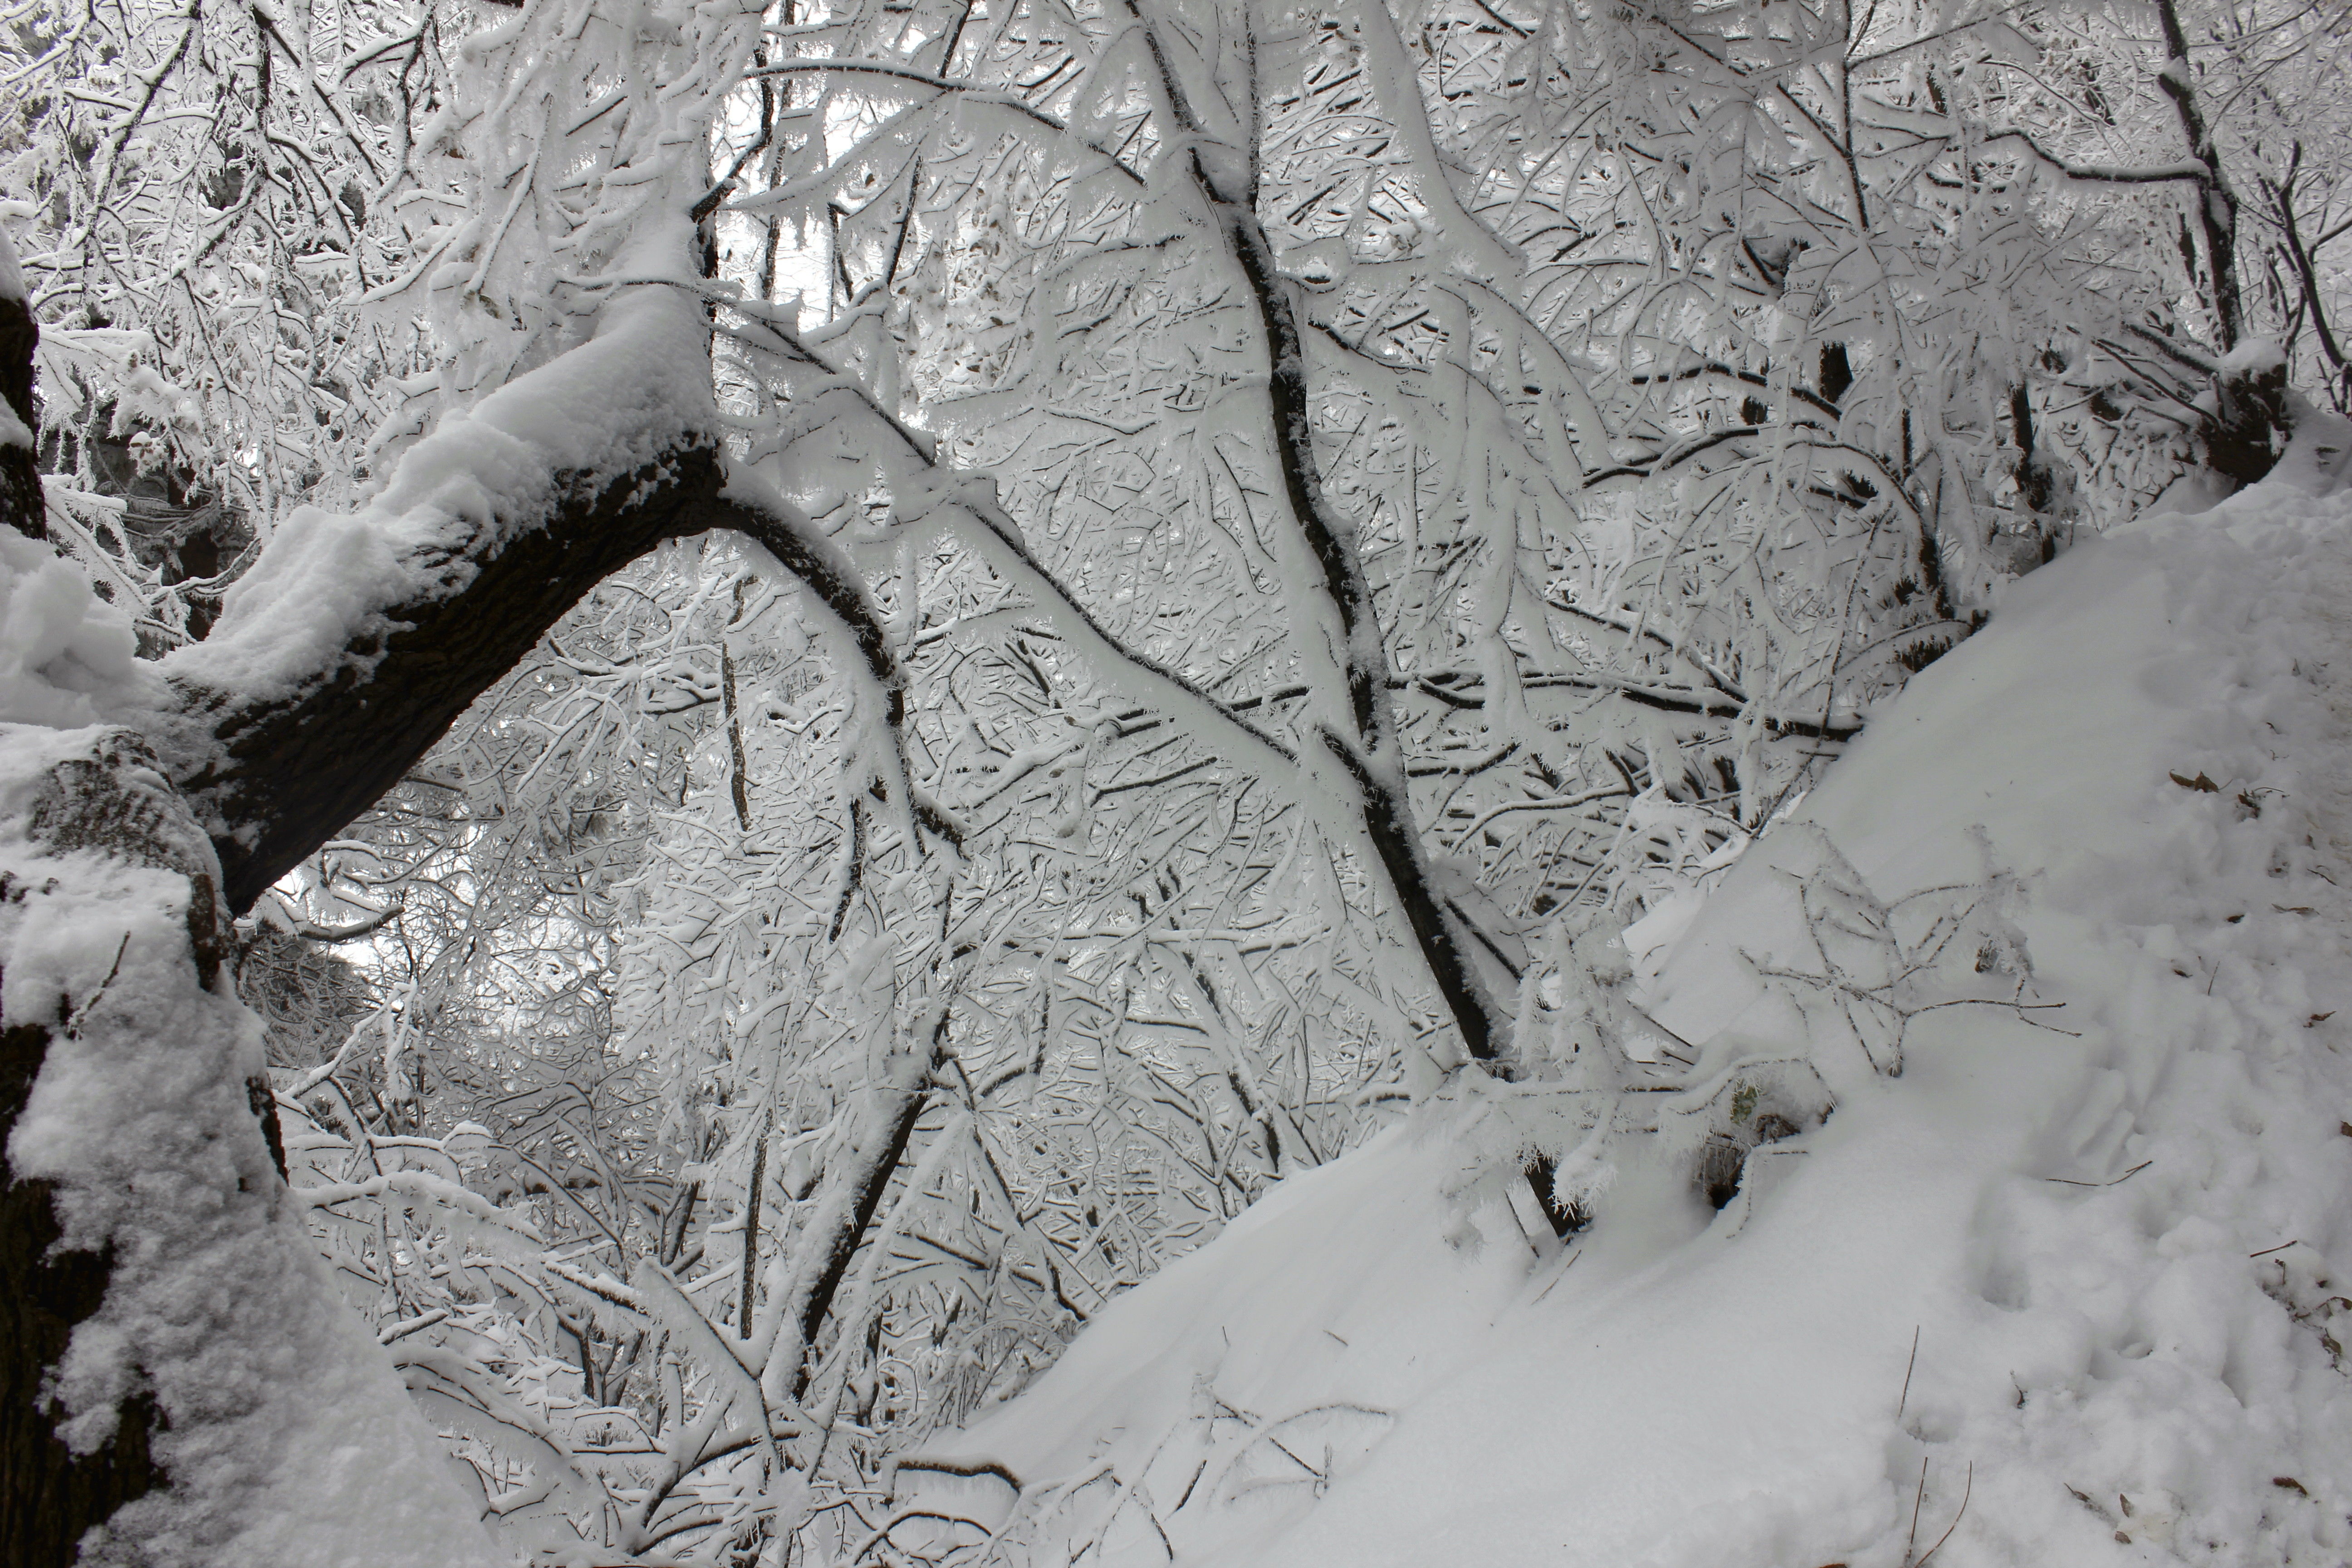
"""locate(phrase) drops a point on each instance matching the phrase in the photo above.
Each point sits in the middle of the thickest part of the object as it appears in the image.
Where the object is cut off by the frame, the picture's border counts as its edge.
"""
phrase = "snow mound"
(2072, 1290)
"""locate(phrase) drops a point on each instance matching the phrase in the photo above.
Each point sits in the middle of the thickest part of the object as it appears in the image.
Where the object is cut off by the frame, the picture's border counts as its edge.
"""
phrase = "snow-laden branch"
(2109, 174)
(967, 504)
(970, 93)
(356, 640)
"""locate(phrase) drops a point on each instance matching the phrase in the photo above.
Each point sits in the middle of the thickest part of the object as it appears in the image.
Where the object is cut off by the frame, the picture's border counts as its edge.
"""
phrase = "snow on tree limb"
(354, 641)
(967, 502)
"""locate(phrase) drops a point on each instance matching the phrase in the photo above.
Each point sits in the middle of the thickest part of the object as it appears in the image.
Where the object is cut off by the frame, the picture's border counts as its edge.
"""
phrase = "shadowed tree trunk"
(20, 474)
(49, 1495)
(226, 791)
(88, 815)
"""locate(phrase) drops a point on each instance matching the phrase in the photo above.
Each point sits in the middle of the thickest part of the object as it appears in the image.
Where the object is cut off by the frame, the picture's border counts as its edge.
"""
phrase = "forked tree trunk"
(174, 1362)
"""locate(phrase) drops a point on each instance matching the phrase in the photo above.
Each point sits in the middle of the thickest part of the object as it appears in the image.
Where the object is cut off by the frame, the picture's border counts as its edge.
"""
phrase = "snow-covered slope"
(2114, 1221)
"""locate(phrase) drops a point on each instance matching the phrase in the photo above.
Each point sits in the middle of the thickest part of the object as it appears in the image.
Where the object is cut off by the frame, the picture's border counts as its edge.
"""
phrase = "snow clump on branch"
(66, 655)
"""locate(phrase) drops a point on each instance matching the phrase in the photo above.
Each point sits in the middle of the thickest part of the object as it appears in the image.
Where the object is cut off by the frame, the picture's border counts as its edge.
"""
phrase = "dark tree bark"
(1365, 753)
(48, 1495)
(2217, 204)
(267, 781)
(841, 1244)
(21, 506)
(2247, 433)
(108, 805)
(287, 776)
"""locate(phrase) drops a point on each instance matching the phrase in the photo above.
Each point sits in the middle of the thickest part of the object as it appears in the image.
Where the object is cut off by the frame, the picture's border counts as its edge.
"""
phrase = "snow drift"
(2067, 1290)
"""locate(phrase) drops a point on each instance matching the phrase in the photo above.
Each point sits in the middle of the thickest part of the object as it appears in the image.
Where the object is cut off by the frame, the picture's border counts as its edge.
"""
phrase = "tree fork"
(262, 782)
(286, 776)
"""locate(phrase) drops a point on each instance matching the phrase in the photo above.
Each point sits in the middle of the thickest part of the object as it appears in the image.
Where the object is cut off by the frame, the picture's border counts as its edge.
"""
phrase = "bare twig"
(2128, 1175)
(1919, 1500)
(82, 1013)
(1966, 1491)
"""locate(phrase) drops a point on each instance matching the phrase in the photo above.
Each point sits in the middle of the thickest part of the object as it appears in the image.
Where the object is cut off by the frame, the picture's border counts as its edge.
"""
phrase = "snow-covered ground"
(2064, 1292)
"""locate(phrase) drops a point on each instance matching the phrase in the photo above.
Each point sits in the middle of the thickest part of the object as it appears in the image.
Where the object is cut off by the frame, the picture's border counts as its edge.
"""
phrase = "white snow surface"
(2119, 1225)
(65, 654)
(287, 1436)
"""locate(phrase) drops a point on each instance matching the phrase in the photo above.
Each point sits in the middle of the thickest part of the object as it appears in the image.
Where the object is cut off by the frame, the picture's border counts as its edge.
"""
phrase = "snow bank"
(2115, 1221)
(288, 1437)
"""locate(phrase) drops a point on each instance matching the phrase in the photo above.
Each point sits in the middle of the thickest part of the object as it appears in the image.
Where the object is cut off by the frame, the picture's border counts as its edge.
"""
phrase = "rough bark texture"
(109, 803)
(48, 1495)
(2247, 433)
(285, 777)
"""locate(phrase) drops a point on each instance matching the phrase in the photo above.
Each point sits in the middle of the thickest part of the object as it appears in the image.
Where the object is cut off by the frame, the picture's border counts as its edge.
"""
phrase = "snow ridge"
(2072, 1288)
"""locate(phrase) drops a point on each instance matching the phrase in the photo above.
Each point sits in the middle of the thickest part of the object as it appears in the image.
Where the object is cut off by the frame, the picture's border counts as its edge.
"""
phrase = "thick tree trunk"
(180, 1383)
(49, 1495)
(288, 775)
(352, 644)
(274, 780)
(84, 807)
